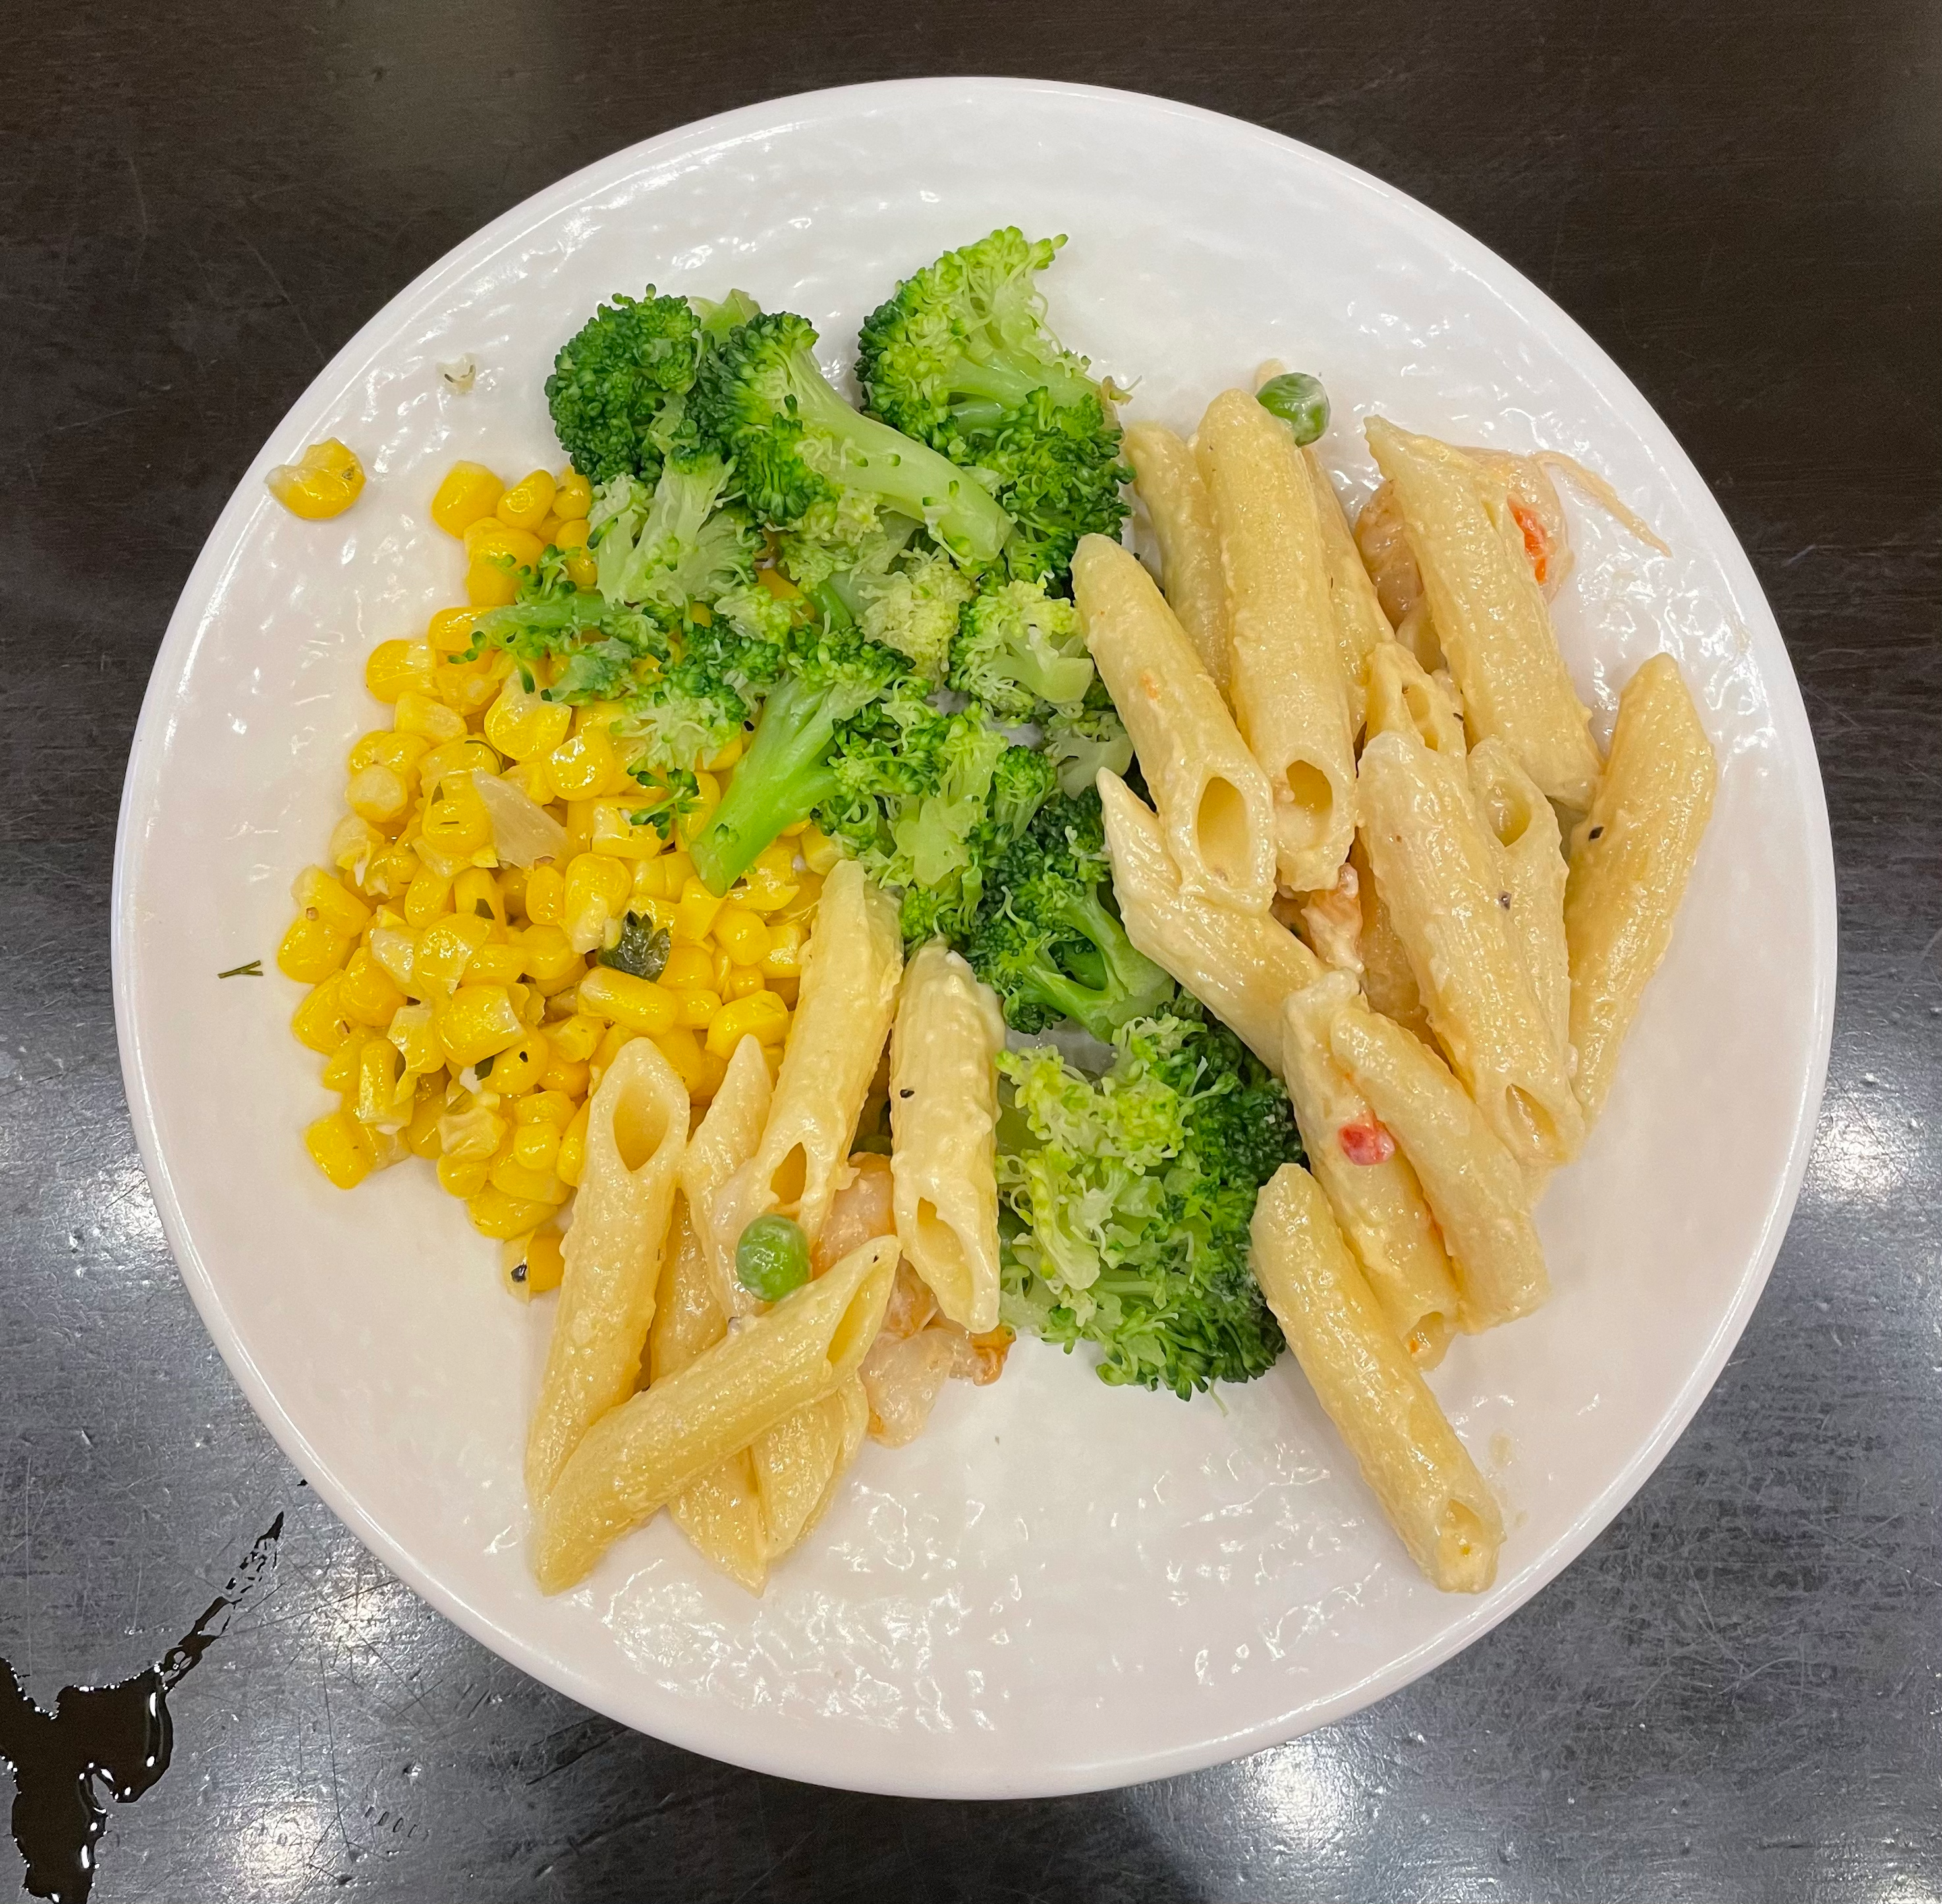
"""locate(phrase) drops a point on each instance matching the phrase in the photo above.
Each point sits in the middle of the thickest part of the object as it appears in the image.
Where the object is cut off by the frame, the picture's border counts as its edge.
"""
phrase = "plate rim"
(787, 1751)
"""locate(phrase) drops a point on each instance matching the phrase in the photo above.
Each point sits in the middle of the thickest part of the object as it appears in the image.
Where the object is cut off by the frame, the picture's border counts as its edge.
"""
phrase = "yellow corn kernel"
(578, 1037)
(639, 1004)
(490, 584)
(536, 1146)
(496, 962)
(468, 754)
(377, 794)
(354, 846)
(617, 1038)
(571, 534)
(819, 852)
(743, 982)
(778, 584)
(530, 1185)
(598, 890)
(369, 995)
(771, 880)
(469, 492)
(324, 482)
(615, 832)
(785, 989)
(804, 903)
(495, 1214)
(320, 897)
(689, 968)
(682, 1050)
(790, 831)
(648, 882)
(390, 873)
(545, 955)
(584, 764)
(569, 1076)
(422, 1133)
(394, 666)
(413, 1032)
(546, 896)
(312, 951)
(528, 503)
(319, 1021)
(553, 1107)
(467, 688)
(725, 756)
(394, 949)
(541, 1267)
(522, 726)
(427, 898)
(340, 1072)
(464, 1177)
(573, 494)
(445, 949)
(476, 892)
(386, 747)
(513, 890)
(677, 869)
(341, 1149)
(419, 713)
(784, 960)
(377, 1068)
(714, 1069)
(572, 1149)
(721, 970)
(694, 912)
(581, 569)
(694, 1010)
(762, 1012)
(518, 1068)
(478, 1021)
(455, 822)
(450, 631)
(741, 934)
(579, 823)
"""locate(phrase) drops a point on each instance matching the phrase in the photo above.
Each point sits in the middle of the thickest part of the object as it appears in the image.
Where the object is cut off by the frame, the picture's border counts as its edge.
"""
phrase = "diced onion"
(523, 832)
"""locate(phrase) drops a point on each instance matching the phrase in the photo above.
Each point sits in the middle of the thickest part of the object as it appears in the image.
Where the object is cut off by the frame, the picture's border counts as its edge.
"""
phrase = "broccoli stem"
(784, 777)
(1006, 381)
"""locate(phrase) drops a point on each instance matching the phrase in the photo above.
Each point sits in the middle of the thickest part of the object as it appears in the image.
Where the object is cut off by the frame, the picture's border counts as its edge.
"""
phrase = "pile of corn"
(459, 1004)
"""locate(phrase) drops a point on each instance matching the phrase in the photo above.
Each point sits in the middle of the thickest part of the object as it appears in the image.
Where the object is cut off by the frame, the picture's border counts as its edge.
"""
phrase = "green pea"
(772, 1258)
(1299, 400)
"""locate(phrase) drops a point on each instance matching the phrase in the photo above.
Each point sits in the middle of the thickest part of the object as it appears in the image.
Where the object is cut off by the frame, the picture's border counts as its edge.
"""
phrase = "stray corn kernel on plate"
(592, 726)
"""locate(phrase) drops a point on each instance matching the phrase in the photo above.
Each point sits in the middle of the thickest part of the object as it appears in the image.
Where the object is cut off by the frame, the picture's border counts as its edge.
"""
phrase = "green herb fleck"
(254, 969)
(641, 949)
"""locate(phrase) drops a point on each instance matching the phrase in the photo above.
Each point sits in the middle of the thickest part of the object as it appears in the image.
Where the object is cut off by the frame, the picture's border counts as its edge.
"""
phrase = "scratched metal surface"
(1736, 1694)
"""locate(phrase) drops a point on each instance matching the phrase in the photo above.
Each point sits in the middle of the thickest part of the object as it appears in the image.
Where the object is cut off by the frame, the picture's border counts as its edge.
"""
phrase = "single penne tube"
(1631, 858)
(1402, 1442)
(1438, 870)
(720, 1513)
(1474, 1186)
(1213, 800)
(636, 1129)
(1168, 481)
(849, 991)
(1291, 697)
(1522, 822)
(722, 1143)
(797, 1463)
(1368, 1182)
(1361, 626)
(1240, 966)
(1489, 611)
(638, 1457)
(1404, 697)
(1386, 975)
(944, 1115)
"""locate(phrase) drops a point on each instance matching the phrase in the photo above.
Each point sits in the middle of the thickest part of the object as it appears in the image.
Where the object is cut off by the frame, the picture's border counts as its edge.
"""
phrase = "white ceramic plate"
(1060, 1586)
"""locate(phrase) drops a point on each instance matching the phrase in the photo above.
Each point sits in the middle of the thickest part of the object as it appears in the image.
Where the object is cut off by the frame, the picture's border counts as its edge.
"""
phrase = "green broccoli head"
(1020, 652)
(1128, 1200)
(1046, 938)
(761, 401)
(913, 606)
(614, 382)
(1081, 741)
(675, 545)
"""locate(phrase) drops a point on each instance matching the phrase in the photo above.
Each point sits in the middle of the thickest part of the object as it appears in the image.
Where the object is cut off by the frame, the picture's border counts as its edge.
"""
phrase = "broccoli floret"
(1022, 781)
(1080, 742)
(914, 606)
(788, 771)
(1127, 1202)
(1019, 649)
(1045, 938)
(675, 546)
(798, 449)
(961, 358)
(613, 384)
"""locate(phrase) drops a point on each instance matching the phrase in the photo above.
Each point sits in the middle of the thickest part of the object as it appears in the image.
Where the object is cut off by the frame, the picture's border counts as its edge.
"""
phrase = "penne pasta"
(1489, 613)
(1168, 480)
(1369, 1184)
(1361, 626)
(843, 1015)
(1474, 1187)
(1402, 1442)
(1386, 975)
(640, 1455)
(720, 1512)
(944, 1112)
(1522, 822)
(1213, 800)
(724, 1141)
(1438, 871)
(1631, 858)
(636, 1128)
(798, 1462)
(1240, 966)
(1290, 694)
(1405, 698)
